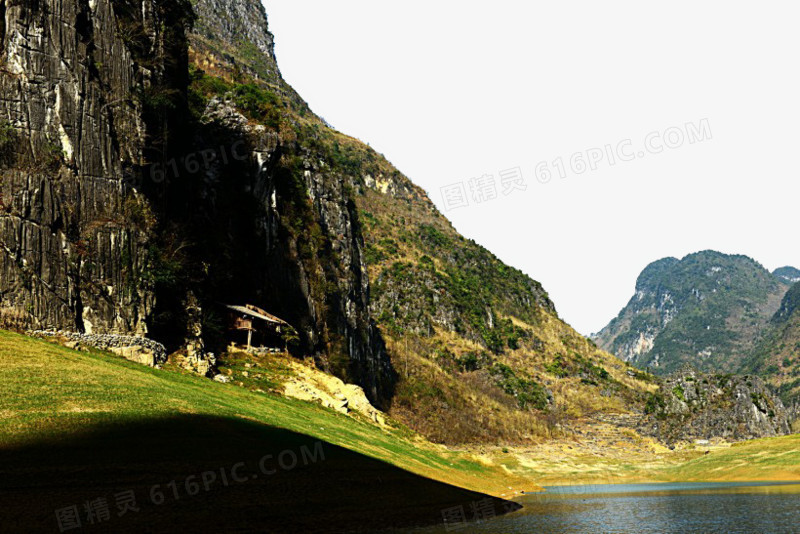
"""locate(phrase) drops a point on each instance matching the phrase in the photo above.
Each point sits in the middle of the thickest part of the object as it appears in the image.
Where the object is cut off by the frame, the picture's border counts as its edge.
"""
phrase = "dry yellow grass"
(453, 407)
(570, 462)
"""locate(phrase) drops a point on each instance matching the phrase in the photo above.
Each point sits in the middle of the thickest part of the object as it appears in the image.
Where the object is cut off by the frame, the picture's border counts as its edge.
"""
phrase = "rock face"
(72, 249)
(233, 29)
(281, 228)
(692, 405)
(327, 234)
(706, 310)
(311, 385)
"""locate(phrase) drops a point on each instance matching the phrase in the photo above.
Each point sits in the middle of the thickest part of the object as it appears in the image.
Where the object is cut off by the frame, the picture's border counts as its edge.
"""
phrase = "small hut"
(253, 325)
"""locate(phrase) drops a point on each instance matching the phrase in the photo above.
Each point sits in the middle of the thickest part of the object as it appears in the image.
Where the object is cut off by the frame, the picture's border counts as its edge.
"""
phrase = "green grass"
(759, 459)
(50, 392)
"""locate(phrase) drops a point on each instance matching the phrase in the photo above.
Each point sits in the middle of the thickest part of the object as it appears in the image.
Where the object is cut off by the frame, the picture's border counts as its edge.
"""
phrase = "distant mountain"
(707, 309)
(777, 354)
(788, 274)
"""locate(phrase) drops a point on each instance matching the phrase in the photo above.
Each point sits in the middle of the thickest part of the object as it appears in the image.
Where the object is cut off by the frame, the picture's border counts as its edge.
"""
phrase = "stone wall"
(134, 348)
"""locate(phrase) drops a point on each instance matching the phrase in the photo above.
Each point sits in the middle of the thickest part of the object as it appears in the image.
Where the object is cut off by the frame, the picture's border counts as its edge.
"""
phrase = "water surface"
(754, 507)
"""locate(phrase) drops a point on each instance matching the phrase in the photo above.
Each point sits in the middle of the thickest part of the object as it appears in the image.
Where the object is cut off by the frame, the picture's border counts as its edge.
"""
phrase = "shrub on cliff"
(8, 138)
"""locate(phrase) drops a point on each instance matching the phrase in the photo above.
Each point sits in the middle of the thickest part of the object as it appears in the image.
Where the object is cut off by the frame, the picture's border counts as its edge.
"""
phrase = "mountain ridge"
(705, 309)
(790, 274)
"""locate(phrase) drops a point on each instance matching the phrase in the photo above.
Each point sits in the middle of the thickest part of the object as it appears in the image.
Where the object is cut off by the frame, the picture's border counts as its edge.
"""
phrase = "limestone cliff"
(152, 172)
(280, 228)
(73, 76)
(333, 238)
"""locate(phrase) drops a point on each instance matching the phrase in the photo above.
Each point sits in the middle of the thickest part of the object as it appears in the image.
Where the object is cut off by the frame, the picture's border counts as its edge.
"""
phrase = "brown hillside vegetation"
(479, 350)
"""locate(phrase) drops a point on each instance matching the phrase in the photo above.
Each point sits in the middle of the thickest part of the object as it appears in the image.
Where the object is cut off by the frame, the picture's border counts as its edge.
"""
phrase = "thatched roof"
(258, 313)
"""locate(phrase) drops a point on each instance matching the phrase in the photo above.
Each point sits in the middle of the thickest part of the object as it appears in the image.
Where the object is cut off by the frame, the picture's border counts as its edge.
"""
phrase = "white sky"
(450, 91)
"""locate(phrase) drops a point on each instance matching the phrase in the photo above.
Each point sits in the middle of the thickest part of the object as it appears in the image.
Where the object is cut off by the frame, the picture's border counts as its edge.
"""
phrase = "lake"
(755, 507)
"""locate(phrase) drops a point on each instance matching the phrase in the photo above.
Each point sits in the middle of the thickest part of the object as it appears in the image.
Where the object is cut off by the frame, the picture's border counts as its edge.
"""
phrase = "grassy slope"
(50, 391)
(761, 459)
(433, 291)
(568, 463)
(405, 236)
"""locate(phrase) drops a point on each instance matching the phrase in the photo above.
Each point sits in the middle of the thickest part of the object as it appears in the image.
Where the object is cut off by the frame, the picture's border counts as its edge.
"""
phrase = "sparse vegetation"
(8, 138)
(51, 157)
(7, 134)
(525, 391)
(655, 404)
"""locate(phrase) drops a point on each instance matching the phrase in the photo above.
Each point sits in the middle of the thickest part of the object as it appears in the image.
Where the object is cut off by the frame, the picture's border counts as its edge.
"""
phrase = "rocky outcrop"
(288, 220)
(232, 37)
(235, 32)
(416, 298)
(691, 405)
(308, 384)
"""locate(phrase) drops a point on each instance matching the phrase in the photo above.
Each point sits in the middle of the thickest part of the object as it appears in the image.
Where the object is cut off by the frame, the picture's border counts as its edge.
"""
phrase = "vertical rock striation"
(293, 243)
(72, 236)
